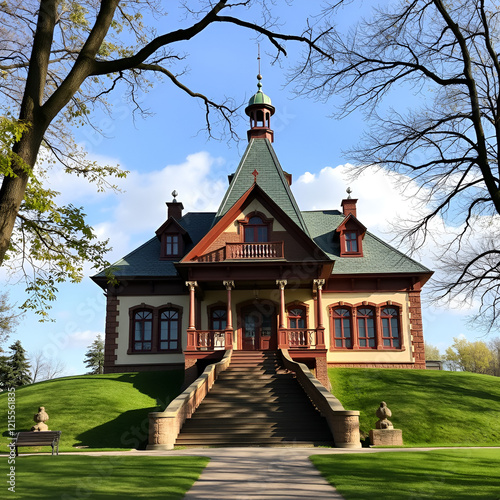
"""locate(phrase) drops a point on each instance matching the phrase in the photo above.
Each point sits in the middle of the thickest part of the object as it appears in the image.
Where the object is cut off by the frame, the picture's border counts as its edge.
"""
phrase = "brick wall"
(417, 330)
(111, 333)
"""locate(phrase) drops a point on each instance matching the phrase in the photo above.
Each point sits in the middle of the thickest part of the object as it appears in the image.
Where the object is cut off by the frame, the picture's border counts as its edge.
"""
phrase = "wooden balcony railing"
(209, 340)
(300, 338)
(271, 250)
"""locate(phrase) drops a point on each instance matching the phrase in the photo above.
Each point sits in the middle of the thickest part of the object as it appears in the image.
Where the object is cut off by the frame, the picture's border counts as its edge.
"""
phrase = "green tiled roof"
(260, 156)
(145, 260)
(378, 256)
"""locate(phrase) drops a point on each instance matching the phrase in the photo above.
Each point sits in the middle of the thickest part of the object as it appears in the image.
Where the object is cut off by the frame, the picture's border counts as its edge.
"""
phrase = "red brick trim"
(377, 365)
(417, 330)
(111, 333)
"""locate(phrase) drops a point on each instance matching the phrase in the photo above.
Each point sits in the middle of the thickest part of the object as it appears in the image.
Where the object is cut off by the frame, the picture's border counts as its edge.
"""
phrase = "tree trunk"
(13, 188)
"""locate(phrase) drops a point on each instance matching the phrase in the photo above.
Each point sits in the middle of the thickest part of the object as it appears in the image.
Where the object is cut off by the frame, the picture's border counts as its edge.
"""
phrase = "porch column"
(192, 285)
(229, 324)
(282, 334)
(282, 284)
(320, 329)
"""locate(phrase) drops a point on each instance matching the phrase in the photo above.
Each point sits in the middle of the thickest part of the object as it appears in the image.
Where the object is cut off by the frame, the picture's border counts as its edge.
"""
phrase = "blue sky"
(168, 151)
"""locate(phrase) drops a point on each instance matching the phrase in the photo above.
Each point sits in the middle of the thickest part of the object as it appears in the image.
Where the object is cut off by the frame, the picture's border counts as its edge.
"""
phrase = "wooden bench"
(42, 438)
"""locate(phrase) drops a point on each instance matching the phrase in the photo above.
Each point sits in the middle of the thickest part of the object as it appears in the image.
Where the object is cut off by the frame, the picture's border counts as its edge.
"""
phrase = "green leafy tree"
(16, 367)
(473, 357)
(444, 57)
(59, 61)
(94, 357)
(432, 352)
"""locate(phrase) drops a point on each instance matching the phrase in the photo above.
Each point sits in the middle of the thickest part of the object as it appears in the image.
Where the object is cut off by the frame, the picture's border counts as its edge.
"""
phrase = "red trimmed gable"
(217, 242)
(352, 232)
(173, 238)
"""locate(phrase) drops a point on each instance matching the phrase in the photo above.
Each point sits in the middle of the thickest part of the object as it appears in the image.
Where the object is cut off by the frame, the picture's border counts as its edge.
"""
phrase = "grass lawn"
(439, 475)
(73, 477)
(435, 408)
(95, 411)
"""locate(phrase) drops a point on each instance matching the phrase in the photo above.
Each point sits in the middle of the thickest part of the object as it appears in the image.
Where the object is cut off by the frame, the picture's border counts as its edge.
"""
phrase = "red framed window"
(256, 230)
(171, 245)
(342, 327)
(390, 327)
(219, 318)
(169, 330)
(143, 331)
(351, 242)
(297, 318)
(366, 328)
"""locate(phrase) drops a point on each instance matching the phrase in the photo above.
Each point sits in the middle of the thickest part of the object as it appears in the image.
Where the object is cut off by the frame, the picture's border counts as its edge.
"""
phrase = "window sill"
(129, 351)
(364, 349)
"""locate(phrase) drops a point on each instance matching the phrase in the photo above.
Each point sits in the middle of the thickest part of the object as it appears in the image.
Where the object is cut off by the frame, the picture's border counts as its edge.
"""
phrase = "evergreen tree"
(5, 370)
(94, 357)
(17, 369)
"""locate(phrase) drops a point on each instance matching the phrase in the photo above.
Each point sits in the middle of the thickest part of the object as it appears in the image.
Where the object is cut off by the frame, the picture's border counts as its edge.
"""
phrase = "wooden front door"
(258, 328)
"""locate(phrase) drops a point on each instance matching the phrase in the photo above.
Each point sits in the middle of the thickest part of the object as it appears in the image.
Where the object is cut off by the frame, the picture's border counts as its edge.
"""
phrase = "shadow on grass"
(128, 430)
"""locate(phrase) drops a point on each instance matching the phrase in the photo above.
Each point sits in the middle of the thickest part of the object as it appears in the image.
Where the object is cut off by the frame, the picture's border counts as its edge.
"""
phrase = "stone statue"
(40, 418)
(383, 413)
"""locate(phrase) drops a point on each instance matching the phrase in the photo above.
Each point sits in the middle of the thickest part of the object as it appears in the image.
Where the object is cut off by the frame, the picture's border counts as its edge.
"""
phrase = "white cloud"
(77, 340)
(132, 216)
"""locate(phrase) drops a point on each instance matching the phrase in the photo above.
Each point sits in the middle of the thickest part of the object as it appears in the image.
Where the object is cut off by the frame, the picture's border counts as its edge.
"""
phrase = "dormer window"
(351, 241)
(171, 245)
(351, 233)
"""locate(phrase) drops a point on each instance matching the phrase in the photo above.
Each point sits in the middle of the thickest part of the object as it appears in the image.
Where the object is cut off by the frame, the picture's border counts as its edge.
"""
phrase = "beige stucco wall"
(123, 329)
(240, 296)
(367, 356)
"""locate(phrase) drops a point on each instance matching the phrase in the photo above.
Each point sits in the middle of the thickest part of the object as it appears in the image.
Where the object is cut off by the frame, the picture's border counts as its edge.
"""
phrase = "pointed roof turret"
(260, 110)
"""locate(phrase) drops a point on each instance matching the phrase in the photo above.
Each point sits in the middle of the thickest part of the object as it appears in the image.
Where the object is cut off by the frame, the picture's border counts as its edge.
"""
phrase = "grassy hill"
(431, 407)
(95, 411)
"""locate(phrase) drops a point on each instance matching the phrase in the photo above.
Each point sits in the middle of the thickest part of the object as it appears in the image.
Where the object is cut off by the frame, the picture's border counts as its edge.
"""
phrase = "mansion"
(260, 274)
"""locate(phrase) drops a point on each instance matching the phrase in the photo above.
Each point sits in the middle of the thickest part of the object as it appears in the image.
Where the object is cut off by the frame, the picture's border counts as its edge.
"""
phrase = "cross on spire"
(255, 174)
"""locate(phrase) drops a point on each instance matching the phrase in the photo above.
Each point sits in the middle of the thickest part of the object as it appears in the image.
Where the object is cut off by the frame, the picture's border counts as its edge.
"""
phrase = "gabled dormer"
(351, 231)
(173, 237)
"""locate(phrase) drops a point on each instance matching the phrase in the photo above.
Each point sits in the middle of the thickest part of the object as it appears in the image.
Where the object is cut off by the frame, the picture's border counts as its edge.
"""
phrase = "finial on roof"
(255, 174)
(174, 194)
(348, 191)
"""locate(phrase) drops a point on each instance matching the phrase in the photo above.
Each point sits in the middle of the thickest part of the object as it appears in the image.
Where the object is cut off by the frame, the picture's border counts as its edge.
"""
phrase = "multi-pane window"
(342, 327)
(366, 327)
(297, 318)
(143, 330)
(169, 330)
(390, 327)
(171, 245)
(351, 241)
(256, 230)
(219, 318)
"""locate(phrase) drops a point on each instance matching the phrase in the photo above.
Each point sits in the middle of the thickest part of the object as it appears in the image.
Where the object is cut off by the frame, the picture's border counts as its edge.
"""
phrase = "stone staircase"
(255, 403)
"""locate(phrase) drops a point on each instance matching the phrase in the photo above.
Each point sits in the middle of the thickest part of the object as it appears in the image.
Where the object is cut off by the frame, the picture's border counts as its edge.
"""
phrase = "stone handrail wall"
(344, 424)
(164, 426)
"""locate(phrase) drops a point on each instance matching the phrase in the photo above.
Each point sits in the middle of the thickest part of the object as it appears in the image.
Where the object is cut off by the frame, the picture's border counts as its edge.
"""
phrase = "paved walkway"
(259, 473)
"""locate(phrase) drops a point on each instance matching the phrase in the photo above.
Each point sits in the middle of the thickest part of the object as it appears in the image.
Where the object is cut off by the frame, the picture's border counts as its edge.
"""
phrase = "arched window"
(296, 318)
(390, 327)
(219, 318)
(169, 330)
(342, 327)
(143, 328)
(366, 328)
(256, 230)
